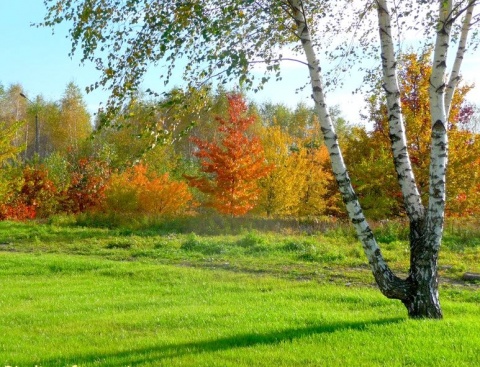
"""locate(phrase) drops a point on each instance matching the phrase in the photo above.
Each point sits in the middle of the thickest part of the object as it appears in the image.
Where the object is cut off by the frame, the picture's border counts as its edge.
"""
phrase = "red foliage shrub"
(17, 211)
(36, 197)
(88, 181)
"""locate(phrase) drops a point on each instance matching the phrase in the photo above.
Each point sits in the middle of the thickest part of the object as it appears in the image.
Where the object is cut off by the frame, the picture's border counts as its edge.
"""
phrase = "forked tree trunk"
(426, 235)
(419, 292)
(426, 226)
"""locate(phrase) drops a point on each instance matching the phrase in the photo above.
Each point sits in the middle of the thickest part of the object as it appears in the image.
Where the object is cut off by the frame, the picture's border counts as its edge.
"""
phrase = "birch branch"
(439, 150)
(403, 166)
(455, 74)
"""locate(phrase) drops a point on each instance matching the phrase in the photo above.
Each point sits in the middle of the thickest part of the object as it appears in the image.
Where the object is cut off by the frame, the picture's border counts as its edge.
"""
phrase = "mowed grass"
(96, 297)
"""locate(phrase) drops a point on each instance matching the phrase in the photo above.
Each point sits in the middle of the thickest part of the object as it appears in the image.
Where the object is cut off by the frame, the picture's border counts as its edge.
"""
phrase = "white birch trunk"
(425, 228)
(426, 235)
(389, 284)
(439, 150)
(403, 166)
(455, 74)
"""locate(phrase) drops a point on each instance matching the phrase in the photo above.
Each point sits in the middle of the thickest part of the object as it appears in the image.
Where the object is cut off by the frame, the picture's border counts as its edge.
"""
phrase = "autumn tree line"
(162, 158)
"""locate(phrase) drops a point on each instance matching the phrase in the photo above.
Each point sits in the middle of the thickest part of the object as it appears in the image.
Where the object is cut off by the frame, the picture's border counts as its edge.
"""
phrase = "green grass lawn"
(97, 297)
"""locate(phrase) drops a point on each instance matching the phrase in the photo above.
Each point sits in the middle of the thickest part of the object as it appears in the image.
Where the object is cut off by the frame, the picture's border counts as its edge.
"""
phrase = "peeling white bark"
(455, 73)
(439, 150)
(389, 284)
(403, 166)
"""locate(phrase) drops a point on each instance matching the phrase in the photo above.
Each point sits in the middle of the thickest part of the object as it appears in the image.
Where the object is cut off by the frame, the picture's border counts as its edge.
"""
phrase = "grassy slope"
(93, 310)
(331, 255)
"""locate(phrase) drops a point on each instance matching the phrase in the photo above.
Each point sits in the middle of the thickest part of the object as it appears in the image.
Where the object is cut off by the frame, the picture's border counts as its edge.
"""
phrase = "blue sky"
(39, 61)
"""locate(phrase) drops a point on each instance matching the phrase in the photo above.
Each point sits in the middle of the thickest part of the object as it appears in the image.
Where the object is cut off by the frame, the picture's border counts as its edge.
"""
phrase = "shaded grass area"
(295, 250)
(64, 310)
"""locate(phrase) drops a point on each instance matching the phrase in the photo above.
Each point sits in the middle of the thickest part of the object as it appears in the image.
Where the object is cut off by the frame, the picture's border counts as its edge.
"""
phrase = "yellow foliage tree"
(8, 150)
(372, 169)
(319, 195)
(463, 174)
(300, 183)
(280, 194)
(7, 135)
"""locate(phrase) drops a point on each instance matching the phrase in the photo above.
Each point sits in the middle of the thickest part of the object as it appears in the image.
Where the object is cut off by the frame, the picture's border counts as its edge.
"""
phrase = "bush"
(34, 191)
(88, 181)
(17, 211)
(138, 192)
(32, 196)
(39, 191)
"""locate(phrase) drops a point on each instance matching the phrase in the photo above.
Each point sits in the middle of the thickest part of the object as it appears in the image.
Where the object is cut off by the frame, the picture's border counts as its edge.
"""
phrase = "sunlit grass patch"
(63, 310)
(113, 297)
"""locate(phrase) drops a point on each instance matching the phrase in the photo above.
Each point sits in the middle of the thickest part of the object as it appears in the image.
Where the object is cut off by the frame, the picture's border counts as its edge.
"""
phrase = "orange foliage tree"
(231, 167)
(136, 191)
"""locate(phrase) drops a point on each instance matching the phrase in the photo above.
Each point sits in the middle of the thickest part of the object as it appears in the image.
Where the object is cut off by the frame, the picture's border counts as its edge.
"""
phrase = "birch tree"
(225, 39)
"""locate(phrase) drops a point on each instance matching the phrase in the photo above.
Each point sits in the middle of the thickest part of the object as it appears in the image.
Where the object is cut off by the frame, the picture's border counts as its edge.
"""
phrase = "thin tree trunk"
(424, 267)
(389, 284)
(455, 74)
(403, 166)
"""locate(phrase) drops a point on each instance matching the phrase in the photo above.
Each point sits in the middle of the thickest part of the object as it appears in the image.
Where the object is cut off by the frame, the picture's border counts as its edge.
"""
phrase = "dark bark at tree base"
(420, 290)
(423, 301)
(424, 305)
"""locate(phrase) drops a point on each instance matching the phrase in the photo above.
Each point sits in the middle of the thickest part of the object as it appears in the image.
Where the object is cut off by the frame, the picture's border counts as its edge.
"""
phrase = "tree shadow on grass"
(165, 352)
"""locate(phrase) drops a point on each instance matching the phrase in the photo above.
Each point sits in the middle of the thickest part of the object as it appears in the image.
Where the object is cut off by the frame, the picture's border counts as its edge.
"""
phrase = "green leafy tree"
(8, 150)
(74, 124)
(8, 154)
(13, 108)
(373, 174)
(61, 124)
